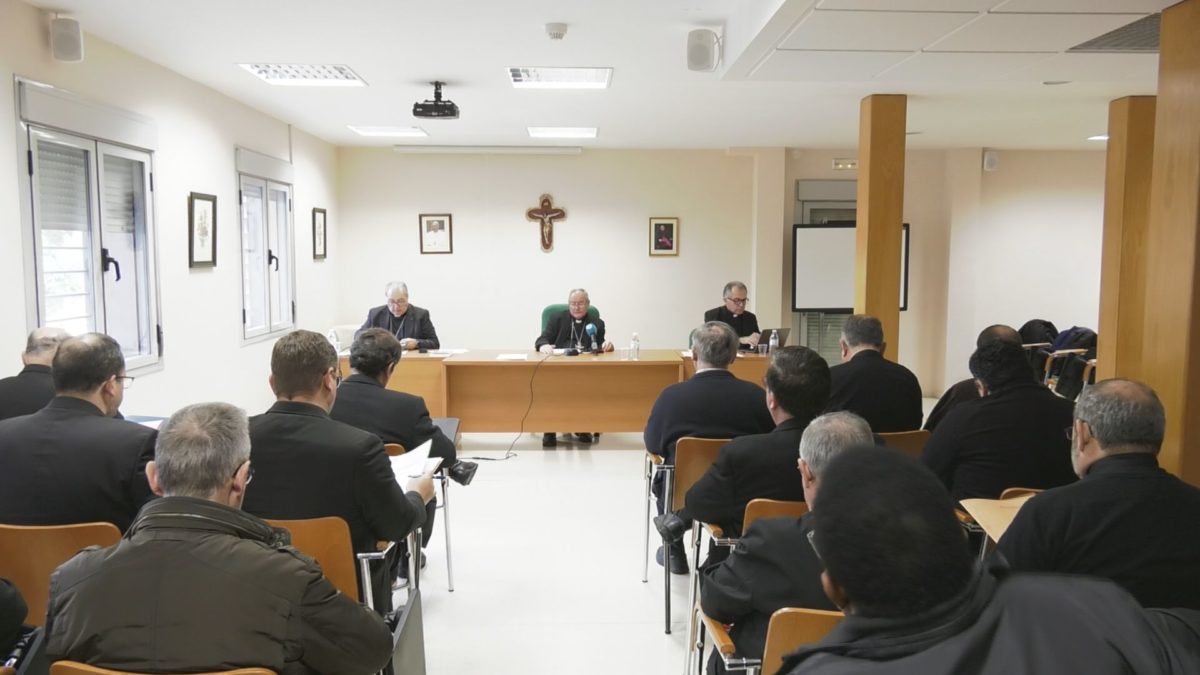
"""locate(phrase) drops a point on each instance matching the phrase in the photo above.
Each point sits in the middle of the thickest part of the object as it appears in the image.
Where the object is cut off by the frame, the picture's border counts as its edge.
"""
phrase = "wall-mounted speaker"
(991, 160)
(66, 40)
(703, 49)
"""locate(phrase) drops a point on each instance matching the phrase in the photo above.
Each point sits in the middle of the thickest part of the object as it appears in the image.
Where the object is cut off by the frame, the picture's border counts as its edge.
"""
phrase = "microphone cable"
(509, 454)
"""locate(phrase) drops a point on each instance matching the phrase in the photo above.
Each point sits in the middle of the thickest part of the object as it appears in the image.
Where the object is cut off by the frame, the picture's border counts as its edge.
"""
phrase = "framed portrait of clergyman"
(202, 230)
(437, 233)
(319, 234)
(664, 236)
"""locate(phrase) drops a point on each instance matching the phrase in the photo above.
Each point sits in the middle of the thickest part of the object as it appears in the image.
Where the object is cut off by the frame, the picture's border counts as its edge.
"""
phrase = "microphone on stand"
(591, 331)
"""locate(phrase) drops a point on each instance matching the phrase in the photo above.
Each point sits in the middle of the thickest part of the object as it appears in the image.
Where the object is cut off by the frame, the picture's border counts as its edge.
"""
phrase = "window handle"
(106, 260)
(271, 257)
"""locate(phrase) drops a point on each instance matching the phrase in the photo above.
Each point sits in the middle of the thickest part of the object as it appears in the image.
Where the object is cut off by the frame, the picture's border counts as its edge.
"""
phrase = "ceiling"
(793, 71)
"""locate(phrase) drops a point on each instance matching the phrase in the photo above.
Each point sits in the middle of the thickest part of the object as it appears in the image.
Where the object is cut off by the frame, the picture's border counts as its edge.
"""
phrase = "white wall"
(490, 292)
(198, 130)
(1024, 244)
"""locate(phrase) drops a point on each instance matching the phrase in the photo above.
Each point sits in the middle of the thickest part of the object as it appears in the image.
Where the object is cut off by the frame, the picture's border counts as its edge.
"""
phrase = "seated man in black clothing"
(1016, 435)
(30, 390)
(570, 330)
(884, 393)
(734, 313)
(410, 324)
(1126, 519)
(773, 565)
(917, 603)
(714, 403)
(12, 616)
(762, 465)
(967, 390)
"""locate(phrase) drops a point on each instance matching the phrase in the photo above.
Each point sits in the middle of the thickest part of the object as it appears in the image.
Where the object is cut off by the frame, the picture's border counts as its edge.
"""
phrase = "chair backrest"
(790, 628)
(42, 549)
(1010, 493)
(693, 456)
(771, 508)
(326, 540)
(551, 310)
(910, 443)
(394, 449)
(76, 668)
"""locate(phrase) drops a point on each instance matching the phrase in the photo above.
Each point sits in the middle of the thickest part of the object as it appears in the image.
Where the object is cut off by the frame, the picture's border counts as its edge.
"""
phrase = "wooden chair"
(394, 449)
(910, 443)
(42, 549)
(654, 465)
(693, 457)
(76, 668)
(790, 628)
(1010, 493)
(326, 540)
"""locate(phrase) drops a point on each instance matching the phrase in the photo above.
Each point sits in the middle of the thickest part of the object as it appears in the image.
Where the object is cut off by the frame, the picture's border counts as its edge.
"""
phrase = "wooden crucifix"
(546, 215)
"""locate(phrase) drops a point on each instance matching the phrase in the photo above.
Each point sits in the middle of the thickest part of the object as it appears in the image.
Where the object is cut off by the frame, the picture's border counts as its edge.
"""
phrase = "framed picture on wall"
(437, 233)
(664, 236)
(202, 230)
(319, 240)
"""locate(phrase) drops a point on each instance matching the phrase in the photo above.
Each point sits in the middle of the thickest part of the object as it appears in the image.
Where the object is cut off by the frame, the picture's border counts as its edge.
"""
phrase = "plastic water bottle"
(635, 347)
(774, 342)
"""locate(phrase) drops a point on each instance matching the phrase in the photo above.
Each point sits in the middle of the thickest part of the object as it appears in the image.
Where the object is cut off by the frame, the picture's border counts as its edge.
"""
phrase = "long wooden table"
(599, 392)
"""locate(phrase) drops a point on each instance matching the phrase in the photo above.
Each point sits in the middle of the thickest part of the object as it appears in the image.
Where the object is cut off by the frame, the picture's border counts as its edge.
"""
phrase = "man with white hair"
(197, 585)
(773, 565)
(30, 390)
(409, 323)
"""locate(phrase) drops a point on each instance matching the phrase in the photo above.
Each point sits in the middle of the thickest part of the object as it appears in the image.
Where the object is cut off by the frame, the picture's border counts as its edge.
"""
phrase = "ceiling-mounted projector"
(437, 109)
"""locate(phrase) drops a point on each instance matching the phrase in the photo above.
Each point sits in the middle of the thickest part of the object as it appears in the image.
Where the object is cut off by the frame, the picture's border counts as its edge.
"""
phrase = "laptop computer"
(765, 335)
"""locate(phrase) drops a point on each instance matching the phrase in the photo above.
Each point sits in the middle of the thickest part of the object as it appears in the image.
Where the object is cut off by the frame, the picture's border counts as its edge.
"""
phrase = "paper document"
(415, 462)
(447, 352)
(512, 357)
(686, 352)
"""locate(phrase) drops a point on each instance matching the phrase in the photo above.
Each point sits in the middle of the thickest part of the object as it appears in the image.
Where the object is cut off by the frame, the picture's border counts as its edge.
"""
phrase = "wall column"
(880, 212)
(769, 228)
(1170, 360)
(1126, 217)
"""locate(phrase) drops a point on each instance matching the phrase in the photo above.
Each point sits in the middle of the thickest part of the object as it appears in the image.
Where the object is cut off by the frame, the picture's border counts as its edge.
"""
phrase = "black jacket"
(26, 392)
(1127, 520)
(1015, 437)
(393, 416)
(68, 463)
(195, 586)
(743, 324)
(762, 466)
(960, 393)
(414, 324)
(565, 331)
(886, 394)
(772, 567)
(309, 466)
(1023, 625)
(712, 404)
(12, 616)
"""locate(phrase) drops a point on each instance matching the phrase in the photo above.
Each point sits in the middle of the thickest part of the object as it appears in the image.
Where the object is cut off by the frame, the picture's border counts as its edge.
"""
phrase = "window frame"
(286, 255)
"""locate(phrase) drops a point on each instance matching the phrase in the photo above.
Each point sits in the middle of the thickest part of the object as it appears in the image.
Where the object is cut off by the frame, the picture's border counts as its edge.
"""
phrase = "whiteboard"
(823, 268)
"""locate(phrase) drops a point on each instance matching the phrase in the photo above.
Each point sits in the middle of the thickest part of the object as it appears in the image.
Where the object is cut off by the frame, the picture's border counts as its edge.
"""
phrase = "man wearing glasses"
(569, 330)
(410, 324)
(71, 462)
(734, 313)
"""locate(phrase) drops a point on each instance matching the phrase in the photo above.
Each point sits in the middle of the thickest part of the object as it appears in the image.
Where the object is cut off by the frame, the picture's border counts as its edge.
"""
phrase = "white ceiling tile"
(872, 31)
(1084, 6)
(1088, 67)
(1030, 32)
(912, 5)
(828, 66)
(960, 67)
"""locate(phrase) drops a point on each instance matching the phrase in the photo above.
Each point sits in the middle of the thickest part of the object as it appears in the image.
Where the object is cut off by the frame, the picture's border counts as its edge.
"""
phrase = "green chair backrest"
(551, 310)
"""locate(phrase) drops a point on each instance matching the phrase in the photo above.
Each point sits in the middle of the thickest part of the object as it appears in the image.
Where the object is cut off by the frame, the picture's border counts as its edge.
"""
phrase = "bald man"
(30, 390)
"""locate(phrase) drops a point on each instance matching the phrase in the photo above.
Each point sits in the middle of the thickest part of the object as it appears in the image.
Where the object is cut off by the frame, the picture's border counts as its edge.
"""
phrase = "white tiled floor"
(547, 548)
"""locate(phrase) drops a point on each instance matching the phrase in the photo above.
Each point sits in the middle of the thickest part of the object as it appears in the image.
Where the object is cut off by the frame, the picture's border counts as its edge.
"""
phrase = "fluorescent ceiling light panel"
(560, 78)
(304, 75)
(1101, 137)
(562, 132)
(390, 132)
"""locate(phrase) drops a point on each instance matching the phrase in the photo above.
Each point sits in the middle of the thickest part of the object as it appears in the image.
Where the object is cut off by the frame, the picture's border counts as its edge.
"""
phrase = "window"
(94, 263)
(822, 333)
(268, 288)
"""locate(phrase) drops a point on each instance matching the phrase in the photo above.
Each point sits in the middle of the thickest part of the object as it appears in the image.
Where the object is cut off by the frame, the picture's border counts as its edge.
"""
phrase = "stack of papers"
(414, 463)
(447, 352)
(512, 357)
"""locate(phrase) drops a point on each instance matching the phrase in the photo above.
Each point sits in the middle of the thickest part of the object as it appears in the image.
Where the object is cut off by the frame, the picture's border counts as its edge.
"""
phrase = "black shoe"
(401, 579)
(679, 563)
(671, 527)
(462, 472)
(583, 437)
(549, 441)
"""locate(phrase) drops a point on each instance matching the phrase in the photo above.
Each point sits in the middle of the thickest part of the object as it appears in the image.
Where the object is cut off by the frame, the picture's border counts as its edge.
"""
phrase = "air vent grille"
(1141, 36)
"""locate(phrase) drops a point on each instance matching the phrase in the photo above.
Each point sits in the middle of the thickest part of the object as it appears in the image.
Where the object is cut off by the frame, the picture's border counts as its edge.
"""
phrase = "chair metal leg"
(670, 480)
(646, 523)
(446, 529)
(693, 579)
(414, 562)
